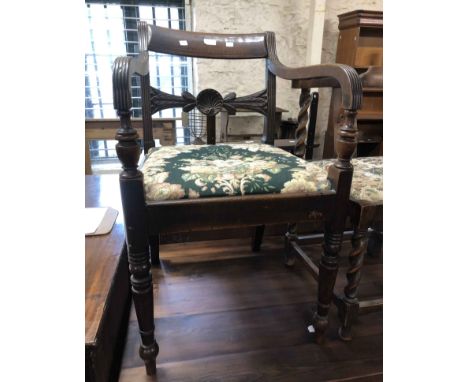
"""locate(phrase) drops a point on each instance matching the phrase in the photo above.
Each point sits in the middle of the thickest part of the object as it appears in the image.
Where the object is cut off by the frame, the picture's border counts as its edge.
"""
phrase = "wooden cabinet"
(360, 45)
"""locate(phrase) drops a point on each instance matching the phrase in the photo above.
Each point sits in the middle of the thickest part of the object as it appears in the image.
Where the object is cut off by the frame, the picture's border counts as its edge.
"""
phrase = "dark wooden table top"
(102, 252)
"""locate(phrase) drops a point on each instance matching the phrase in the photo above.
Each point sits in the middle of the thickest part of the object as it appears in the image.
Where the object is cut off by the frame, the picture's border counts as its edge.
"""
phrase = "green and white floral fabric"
(193, 171)
(178, 172)
(367, 183)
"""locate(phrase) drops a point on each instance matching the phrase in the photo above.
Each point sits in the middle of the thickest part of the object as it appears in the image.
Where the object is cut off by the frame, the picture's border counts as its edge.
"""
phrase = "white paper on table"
(93, 218)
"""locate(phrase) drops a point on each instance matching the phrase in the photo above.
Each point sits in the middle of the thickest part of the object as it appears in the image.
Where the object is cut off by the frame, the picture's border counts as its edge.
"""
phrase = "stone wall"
(289, 19)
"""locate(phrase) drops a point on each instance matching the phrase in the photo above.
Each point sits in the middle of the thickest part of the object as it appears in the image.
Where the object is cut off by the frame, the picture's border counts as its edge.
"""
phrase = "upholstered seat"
(179, 172)
(367, 183)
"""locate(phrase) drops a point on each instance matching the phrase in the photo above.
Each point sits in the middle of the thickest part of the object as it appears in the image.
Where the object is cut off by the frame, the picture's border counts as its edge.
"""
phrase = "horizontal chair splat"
(208, 101)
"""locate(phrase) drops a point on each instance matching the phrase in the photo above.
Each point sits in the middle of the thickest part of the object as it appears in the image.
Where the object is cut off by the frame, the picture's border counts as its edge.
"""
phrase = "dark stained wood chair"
(150, 209)
(365, 210)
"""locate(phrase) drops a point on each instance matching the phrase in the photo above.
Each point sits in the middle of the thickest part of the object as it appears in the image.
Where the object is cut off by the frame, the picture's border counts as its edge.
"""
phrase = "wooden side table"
(107, 289)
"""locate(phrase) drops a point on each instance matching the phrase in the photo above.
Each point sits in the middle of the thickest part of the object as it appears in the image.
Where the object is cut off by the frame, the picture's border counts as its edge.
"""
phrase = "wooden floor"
(223, 313)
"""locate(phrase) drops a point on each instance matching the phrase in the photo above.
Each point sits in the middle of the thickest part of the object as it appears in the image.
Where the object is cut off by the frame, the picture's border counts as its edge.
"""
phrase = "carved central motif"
(208, 101)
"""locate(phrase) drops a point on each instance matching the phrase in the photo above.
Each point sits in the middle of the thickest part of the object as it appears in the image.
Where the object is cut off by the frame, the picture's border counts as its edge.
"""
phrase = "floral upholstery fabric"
(367, 183)
(192, 171)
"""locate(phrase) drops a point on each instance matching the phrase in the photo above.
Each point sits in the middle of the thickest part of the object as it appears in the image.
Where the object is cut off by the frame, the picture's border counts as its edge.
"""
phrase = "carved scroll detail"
(208, 101)
(160, 100)
(255, 102)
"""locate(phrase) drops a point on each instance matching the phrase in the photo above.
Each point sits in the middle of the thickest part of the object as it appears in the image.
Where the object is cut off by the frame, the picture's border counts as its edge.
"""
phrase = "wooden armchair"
(365, 209)
(182, 188)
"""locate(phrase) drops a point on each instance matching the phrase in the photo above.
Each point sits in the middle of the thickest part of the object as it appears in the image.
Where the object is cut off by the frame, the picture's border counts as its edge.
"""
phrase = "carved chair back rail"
(144, 219)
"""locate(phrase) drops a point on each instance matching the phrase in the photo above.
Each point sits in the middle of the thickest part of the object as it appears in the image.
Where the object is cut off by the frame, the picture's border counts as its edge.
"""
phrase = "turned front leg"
(142, 290)
(134, 211)
(341, 175)
(328, 270)
(131, 188)
(348, 306)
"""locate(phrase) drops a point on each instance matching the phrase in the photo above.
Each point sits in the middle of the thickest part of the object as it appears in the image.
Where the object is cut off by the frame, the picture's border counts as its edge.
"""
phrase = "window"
(112, 27)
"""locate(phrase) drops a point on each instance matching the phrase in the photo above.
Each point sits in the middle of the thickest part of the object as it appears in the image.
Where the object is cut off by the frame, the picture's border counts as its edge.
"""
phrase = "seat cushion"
(367, 183)
(193, 171)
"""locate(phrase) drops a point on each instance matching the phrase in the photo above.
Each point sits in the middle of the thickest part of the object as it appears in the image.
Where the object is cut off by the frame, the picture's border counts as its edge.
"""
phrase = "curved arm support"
(121, 73)
(328, 75)
(346, 77)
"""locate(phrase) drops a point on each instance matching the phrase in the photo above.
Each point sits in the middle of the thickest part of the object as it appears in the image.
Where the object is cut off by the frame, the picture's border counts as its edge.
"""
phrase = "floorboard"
(223, 313)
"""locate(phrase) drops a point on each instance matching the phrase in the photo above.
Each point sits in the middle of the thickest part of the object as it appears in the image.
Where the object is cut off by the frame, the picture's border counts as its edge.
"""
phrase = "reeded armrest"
(327, 75)
(330, 75)
(122, 71)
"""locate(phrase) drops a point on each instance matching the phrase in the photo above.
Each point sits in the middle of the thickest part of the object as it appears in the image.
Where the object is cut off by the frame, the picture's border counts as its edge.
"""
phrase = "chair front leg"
(133, 204)
(134, 211)
(328, 270)
(348, 307)
(142, 290)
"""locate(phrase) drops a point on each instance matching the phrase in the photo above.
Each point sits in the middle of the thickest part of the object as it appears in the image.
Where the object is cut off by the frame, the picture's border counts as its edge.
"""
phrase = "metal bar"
(377, 302)
(309, 152)
(308, 261)
(346, 234)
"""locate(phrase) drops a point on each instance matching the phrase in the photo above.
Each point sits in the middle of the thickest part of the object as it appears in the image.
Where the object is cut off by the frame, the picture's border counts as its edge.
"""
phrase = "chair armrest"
(122, 71)
(326, 75)
(121, 82)
(128, 149)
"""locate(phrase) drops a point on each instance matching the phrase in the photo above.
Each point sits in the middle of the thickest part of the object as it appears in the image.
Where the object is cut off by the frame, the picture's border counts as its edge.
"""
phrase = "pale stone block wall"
(289, 19)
